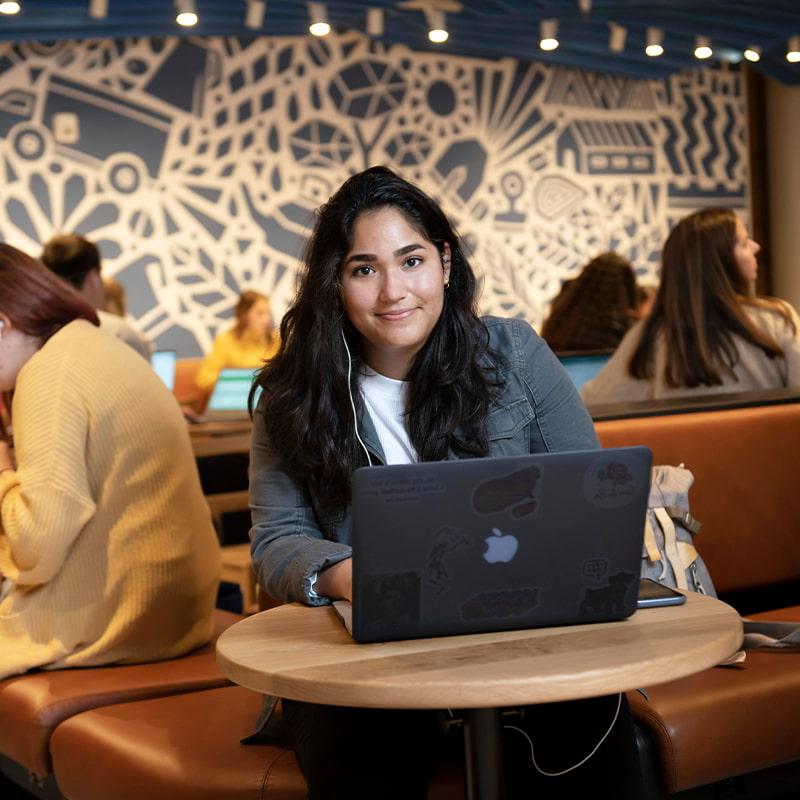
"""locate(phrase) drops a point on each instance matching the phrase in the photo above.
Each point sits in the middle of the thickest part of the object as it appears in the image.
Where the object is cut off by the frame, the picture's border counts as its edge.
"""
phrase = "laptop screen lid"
(488, 544)
(163, 362)
(232, 390)
(583, 366)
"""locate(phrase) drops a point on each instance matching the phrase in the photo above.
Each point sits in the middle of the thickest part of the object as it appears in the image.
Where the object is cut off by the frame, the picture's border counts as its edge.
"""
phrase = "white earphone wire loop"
(583, 760)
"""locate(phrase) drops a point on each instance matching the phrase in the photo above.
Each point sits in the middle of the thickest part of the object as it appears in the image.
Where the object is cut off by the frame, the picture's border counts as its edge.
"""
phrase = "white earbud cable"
(352, 402)
(583, 760)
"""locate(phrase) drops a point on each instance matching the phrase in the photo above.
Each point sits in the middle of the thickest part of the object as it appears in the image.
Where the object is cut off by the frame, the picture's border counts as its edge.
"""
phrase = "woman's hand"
(5, 457)
(336, 581)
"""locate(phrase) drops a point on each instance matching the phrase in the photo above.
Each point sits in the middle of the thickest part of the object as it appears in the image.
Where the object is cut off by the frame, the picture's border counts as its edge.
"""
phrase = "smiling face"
(392, 283)
(745, 251)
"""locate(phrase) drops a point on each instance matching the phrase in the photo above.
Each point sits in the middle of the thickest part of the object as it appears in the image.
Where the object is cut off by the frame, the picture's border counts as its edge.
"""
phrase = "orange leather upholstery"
(729, 721)
(187, 747)
(173, 748)
(746, 491)
(32, 705)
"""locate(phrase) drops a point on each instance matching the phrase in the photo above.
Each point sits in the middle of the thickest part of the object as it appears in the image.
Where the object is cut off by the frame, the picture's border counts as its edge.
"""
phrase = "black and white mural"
(196, 164)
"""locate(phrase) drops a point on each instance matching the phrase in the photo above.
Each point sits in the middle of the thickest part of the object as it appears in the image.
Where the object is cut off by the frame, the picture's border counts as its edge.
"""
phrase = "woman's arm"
(561, 421)
(46, 501)
(288, 547)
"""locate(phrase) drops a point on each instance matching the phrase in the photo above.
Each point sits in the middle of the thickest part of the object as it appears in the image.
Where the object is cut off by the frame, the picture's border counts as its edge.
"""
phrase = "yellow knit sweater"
(106, 543)
(229, 350)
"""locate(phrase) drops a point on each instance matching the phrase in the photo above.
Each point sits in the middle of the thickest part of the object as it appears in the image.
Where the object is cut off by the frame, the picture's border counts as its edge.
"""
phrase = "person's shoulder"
(773, 313)
(506, 330)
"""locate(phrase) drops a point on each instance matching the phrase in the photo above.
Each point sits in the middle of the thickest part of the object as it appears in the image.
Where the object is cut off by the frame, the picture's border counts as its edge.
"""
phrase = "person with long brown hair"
(384, 360)
(594, 310)
(708, 331)
(249, 343)
(107, 551)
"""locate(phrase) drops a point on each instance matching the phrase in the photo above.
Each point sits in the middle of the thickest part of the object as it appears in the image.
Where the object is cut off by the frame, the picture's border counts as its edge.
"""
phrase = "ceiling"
(483, 28)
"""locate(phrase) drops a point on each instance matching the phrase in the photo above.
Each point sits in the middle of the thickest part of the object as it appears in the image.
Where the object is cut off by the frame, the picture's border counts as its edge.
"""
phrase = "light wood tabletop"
(305, 653)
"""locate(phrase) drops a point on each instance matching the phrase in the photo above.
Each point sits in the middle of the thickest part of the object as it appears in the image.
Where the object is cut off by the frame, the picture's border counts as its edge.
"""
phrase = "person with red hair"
(107, 551)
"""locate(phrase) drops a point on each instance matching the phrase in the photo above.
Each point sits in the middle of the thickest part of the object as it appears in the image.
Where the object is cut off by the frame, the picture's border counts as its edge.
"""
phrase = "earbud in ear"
(2, 326)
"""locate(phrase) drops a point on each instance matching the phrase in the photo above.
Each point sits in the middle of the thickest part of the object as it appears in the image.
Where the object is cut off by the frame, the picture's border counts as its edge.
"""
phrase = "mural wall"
(196, 165)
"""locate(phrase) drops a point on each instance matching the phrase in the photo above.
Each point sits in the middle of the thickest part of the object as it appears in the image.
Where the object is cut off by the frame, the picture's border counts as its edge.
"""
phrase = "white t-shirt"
(385, 400)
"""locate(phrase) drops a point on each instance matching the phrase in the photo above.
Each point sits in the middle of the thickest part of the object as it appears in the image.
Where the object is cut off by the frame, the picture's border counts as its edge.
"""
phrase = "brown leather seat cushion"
(173, 748)
(745, 492)
(32, 705)
(727, 720)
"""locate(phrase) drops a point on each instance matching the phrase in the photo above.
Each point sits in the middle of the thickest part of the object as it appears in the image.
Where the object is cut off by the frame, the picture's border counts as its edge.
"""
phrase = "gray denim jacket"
(294, 537)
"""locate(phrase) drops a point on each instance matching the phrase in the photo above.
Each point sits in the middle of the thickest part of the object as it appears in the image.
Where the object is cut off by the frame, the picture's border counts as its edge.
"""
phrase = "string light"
(702, 48)
(753, 53)
(9, 8)
(548, 30)
(186, 13)
(318, 14)
(654, 48)
(437, 32)
(793, 50)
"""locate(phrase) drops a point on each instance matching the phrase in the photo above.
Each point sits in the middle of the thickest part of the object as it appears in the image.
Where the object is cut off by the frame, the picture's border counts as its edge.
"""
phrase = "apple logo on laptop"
(500, 547)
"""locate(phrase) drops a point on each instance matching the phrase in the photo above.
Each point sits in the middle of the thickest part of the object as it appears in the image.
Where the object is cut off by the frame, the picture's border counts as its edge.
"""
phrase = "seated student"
(248, 343)
(708, 332)
(383, 360)
(107, 551)
(594, 310)
(77, 261)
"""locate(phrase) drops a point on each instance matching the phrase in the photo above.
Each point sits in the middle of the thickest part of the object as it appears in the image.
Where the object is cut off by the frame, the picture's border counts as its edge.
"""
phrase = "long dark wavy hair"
(306, 399)
(701, 305)
(595, 310)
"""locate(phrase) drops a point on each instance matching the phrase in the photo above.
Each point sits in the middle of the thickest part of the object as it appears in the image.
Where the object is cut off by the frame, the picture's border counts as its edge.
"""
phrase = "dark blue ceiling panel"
(481, 28)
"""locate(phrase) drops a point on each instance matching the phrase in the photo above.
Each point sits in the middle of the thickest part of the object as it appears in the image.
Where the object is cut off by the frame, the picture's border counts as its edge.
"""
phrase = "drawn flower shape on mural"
(319, 144)
(409, 149)
(367, 89)
(441, 99)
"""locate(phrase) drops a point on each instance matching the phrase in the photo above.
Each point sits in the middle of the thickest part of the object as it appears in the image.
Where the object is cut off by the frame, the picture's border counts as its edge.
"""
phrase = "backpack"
(669, 555)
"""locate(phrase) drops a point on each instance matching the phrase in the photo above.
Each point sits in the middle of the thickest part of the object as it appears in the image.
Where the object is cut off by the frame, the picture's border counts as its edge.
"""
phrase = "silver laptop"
(228, 400)
(488, 544)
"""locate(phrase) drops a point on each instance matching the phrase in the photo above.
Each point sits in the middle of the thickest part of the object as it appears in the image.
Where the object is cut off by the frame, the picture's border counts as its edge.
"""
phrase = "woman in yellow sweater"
(107, 551)
(251, 341)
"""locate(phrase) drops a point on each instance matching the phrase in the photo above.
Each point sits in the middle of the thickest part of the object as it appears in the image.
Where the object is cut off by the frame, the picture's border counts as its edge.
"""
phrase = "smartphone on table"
(652, 593)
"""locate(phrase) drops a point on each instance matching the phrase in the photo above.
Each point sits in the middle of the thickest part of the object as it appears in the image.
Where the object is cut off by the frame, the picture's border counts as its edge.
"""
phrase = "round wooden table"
(305, 653)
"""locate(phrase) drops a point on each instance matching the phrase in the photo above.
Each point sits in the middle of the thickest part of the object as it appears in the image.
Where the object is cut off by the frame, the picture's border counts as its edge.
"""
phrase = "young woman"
(247, 344)
(595, 310)
(382, 353)
(107, 551)
(708, 332)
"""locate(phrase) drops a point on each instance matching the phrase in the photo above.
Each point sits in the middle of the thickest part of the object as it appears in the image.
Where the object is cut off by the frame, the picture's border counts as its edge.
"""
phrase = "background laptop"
(583, 366)
(163, 362)
(228, 401)
(489, 544)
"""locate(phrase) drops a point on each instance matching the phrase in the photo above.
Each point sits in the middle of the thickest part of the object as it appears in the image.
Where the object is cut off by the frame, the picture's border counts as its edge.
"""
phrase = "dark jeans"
(353, 753)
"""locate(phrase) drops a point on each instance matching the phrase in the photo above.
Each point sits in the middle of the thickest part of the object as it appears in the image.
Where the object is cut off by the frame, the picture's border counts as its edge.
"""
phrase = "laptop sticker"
(610, 482)
(500, 604)
(445, 541)
(518, 492)
(609, 599)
